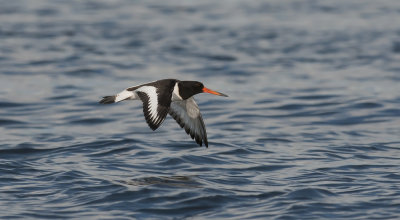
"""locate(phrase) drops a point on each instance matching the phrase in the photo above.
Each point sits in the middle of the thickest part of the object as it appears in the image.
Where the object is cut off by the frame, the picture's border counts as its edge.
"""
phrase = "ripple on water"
(62, 97)
(315, 97)
(12, 105)
(21, 150)
(173, 181)
(195, 205)
(310, 194)
(90, 121)
(11, 122)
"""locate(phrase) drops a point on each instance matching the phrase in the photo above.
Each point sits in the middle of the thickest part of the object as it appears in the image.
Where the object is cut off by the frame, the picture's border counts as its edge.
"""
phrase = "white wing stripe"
(151, 92)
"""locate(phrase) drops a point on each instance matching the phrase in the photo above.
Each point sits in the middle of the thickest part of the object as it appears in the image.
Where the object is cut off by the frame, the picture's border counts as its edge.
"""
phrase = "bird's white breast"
(175, 93)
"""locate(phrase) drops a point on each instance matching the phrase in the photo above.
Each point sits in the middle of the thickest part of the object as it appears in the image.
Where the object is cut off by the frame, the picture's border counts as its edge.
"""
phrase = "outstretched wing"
(188, 116)
(155, 105)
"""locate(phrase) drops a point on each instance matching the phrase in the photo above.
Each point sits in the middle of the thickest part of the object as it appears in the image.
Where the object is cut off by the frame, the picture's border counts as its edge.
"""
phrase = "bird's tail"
(108, 99)
(124, 95)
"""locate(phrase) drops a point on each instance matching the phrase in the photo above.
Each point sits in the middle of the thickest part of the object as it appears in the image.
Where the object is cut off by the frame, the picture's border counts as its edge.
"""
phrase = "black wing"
(155, 105)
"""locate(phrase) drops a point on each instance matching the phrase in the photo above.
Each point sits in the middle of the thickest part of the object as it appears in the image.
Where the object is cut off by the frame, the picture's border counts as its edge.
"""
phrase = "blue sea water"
(310, 130)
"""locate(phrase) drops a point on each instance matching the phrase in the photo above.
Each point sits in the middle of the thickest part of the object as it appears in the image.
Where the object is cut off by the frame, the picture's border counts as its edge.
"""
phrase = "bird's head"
(190, 88)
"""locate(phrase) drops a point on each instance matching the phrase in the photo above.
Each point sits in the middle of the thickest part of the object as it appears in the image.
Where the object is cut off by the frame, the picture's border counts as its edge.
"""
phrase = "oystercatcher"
(169, 96)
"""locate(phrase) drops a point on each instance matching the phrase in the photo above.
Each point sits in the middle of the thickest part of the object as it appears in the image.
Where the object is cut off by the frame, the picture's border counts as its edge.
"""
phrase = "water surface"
(310, 129)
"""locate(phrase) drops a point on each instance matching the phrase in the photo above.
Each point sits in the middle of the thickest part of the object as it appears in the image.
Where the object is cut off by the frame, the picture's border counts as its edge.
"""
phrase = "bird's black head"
(188, 89)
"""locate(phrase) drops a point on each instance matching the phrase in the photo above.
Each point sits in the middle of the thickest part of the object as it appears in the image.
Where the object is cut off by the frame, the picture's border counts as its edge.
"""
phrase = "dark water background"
(311, 129)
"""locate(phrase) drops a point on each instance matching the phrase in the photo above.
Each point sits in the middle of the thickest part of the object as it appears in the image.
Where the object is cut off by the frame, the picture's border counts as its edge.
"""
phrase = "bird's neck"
(184, 92)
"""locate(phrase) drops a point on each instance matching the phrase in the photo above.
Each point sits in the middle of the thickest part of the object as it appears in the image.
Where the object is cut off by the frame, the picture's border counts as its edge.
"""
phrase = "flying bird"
(169, 96)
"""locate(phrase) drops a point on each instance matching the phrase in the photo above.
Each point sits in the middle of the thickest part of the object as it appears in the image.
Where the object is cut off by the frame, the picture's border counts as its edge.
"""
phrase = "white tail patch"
(125, 95)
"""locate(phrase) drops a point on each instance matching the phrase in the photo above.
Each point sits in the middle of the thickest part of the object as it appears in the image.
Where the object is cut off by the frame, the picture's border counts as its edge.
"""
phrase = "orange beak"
(206, 90)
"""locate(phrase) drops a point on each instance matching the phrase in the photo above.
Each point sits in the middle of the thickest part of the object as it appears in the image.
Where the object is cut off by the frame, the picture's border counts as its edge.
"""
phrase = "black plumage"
(169, 96)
